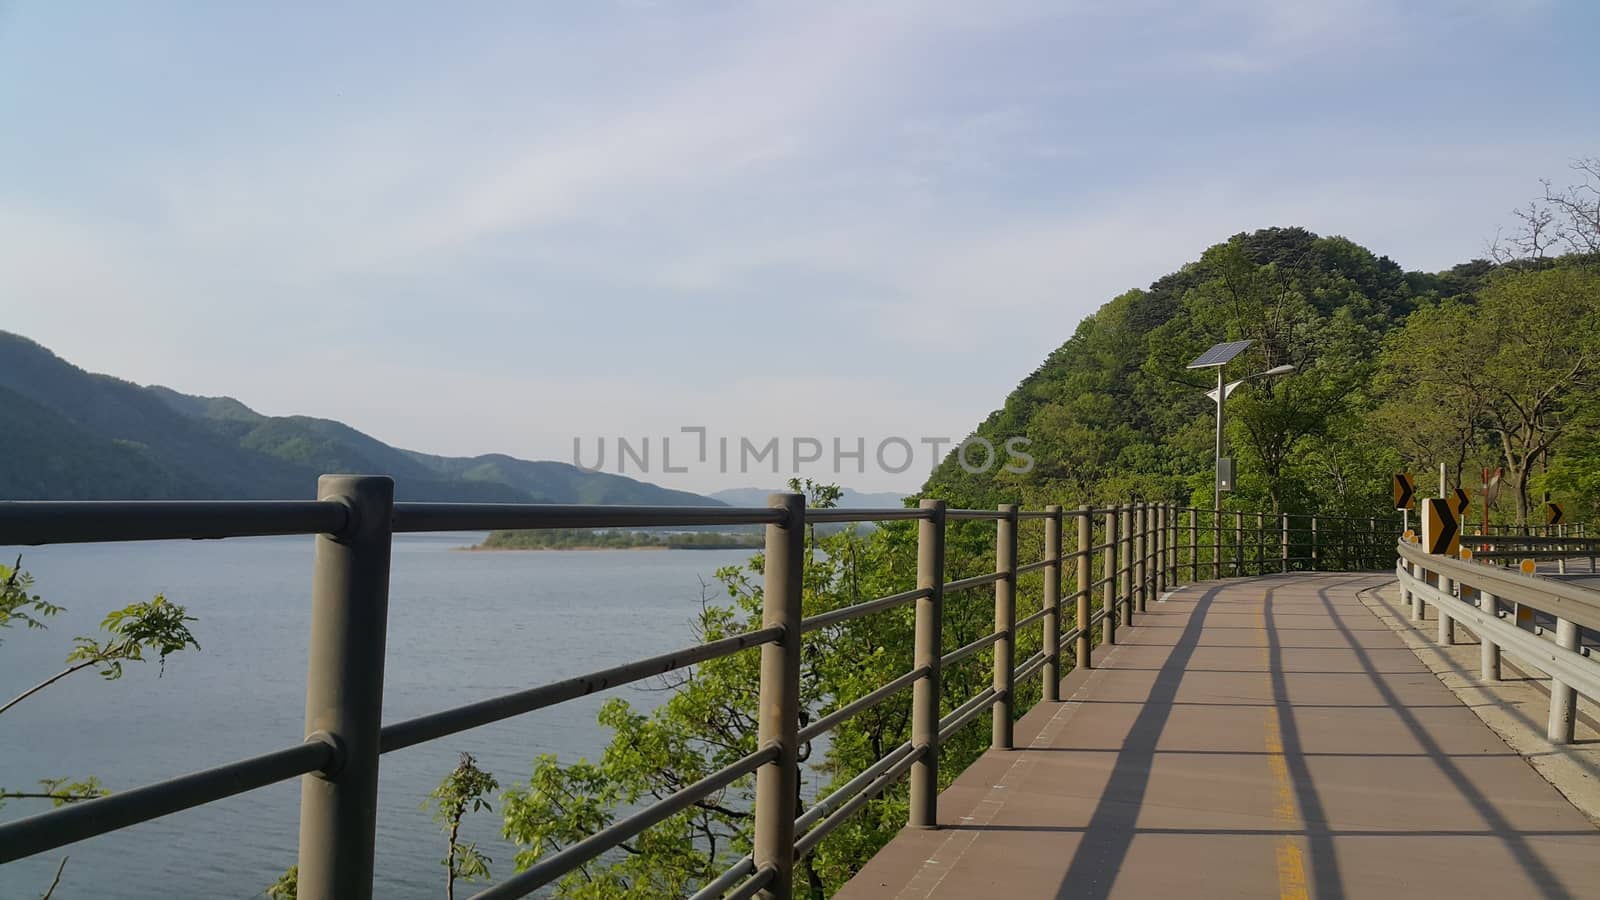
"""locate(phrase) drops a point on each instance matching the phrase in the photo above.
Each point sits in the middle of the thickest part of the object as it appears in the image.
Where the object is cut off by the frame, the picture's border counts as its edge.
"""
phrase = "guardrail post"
(1108, 606)
(1081, 649)
(1194, 542)
(1372, 542)
(926, 691)
(1052, 601)
(1238, 542)
(1216, 542)
(344, 689)
(1259, 545)
(1005, 617)
(778, 718)
(1141, 530)
(1163, 524)
(1563, 699)
(1316, 564)
(1283, 526)
(1126, 576)
(1488, 650)
(1447, 623)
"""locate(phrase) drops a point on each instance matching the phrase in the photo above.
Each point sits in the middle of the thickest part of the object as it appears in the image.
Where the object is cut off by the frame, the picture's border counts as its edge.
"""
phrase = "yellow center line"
(1291, 862)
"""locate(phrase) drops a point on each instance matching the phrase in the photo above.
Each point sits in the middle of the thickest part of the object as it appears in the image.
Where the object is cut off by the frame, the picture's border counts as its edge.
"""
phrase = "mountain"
(1114, 412)
(852, 499)
(76, 435)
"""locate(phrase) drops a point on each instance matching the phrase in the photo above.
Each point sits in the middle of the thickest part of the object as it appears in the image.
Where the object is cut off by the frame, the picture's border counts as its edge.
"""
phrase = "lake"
(462, 627)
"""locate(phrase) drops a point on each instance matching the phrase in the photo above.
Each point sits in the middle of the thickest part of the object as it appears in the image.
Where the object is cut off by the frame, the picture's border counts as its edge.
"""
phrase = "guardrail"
(1472, 593)
(355, 517)
(1520, 547)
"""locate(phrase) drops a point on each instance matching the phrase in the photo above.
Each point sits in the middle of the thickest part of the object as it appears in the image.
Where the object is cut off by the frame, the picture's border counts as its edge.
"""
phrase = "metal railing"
(355, 517)
(1483, 597)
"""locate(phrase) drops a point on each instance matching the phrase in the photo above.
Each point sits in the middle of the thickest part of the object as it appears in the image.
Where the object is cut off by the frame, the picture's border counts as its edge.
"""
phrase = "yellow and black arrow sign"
(1554, 514)
(1441, 530)
(1459, 501)
(1405, 489)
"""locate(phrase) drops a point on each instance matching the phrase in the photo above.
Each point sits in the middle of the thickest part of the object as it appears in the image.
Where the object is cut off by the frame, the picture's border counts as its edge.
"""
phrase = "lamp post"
(1218, 358)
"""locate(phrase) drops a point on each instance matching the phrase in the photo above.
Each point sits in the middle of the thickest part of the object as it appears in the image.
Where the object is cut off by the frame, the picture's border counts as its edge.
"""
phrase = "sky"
(469, 228)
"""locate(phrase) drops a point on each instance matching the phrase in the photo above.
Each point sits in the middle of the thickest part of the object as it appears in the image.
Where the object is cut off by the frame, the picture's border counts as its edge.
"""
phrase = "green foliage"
(465, 789)
(17, 604)
(287, 887)
(156, 625)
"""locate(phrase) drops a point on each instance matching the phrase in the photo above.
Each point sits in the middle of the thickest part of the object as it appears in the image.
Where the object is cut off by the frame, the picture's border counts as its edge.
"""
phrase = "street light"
(1218, 357)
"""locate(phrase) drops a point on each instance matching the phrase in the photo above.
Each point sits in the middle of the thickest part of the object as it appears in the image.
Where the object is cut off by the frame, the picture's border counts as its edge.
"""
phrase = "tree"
(156, 625)
(466, 788)
(1523, 361)
(1565, 220)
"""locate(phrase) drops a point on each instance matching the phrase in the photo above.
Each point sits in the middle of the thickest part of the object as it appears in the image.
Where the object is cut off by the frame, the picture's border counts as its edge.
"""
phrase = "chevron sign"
(1441, 530)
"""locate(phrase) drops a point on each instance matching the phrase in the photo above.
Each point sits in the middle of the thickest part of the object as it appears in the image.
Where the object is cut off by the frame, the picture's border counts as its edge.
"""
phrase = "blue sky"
(476, 227)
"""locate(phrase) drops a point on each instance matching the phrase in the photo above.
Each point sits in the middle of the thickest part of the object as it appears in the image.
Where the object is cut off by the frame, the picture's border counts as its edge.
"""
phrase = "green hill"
(71, 434)
(1113, 413)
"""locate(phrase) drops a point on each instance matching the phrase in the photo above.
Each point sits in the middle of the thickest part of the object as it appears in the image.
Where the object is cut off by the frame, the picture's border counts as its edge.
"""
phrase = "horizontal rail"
(1036, 566)
(810, 839)
(963, 715)
(716, 887)
(885, 514)
(1559, 598)
(35, 522)
(960, 653)
(558, 864)
(754, 885)
(974, 581)
(401, 735)
(1029, 620)
(974, 514)
(849, 789)
(846, 613)
(861, 704)
(1034, 664)
(1567, 666)
(88, 818)
(412, 517)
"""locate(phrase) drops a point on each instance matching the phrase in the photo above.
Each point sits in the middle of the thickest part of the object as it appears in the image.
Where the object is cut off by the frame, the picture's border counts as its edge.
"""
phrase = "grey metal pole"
(1488, 650)
(1005, 617)
(1081, 653)
(1563, 699)
(1238, 543)
(1447, 624)
(1125, 578)
(344, 689)
(778, 715)
(925, 692)
(1316, 562)
(1161, 531)
(1052, 602)
(1141, 553)
(1283, 525)
(1194, 542)
(1108, 605)
(1217, 472)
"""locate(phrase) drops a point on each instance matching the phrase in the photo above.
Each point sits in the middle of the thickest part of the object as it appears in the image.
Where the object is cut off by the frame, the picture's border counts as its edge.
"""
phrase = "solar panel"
(1220, 354)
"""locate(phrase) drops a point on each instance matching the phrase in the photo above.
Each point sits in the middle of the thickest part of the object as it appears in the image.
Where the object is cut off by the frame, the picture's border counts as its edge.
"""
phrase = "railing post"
(1081, 650)
(1162, 546)
(1052, 602)
(1238, 543)
(1563, 699)
(778, 716)
(1194, 542)
(1488, 650)
(1125, 528)
(344, 689)
(1283, 525)
(1372, 542)
(1005, 617)
(1108, 605)
(1141, 530)
(925, 692)
(1216, 542)
(1316, 562)
(1447, 623)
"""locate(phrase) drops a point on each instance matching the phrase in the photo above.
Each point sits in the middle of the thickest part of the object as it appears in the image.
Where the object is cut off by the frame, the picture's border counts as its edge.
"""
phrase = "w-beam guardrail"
(1484, 597)
(1140, 550)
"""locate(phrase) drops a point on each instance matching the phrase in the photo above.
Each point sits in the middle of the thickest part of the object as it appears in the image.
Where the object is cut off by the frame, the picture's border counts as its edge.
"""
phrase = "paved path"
(1263, 737)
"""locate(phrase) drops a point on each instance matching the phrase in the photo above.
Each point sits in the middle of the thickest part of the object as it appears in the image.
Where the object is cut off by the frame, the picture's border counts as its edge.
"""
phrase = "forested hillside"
(75, 435)
(1486, 364)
